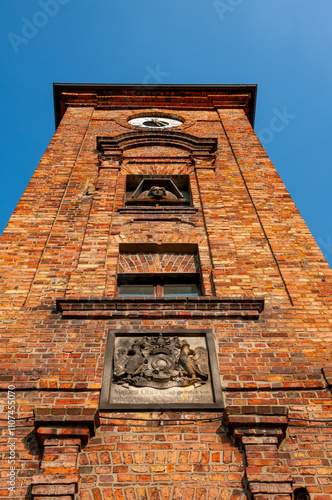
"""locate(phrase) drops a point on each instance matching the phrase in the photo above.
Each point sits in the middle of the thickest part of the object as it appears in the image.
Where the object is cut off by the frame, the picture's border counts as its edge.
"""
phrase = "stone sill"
(153, 307)
(158, 210)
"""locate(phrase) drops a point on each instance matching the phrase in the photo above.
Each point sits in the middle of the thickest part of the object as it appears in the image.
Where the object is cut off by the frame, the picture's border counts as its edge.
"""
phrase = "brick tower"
(165, 310)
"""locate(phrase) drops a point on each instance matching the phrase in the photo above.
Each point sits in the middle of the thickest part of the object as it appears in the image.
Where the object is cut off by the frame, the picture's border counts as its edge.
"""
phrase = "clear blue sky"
(283, 46)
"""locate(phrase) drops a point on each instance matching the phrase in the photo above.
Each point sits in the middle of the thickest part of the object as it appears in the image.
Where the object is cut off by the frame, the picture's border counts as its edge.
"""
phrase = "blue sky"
(282, 45)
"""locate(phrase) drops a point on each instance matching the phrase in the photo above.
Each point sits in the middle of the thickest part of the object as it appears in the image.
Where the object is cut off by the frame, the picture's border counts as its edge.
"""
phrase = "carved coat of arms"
(160, 362)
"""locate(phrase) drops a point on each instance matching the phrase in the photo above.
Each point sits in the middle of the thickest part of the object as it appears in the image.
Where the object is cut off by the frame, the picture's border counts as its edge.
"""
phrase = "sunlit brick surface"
(157, 263)
(63, 242)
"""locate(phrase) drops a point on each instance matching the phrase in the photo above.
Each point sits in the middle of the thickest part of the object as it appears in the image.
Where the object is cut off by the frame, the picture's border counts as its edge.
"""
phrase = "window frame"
(158, 281)
(180, 182)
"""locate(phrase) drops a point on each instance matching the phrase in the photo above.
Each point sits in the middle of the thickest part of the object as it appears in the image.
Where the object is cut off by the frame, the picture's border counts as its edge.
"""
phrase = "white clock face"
(154, 122)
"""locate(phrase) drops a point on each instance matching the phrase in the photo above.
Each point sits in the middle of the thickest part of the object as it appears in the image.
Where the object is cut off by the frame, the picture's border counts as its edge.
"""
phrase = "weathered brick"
(266, 296)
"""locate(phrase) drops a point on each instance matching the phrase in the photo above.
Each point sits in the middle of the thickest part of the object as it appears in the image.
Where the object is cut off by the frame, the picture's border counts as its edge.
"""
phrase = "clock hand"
(157, 122)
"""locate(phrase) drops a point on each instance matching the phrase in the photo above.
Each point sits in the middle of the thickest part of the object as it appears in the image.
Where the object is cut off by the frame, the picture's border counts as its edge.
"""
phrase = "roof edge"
(58, 88)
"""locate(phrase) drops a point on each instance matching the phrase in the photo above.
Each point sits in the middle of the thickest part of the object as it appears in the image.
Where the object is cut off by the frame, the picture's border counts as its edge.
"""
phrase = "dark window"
(301, 494)
(137, 290)
(182, 285)
(180, 289)
(145, 190)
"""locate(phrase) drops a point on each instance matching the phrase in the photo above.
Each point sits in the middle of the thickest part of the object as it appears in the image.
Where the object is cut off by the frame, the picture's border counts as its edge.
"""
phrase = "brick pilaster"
(266, 476)
(91, 266)
(61, 433)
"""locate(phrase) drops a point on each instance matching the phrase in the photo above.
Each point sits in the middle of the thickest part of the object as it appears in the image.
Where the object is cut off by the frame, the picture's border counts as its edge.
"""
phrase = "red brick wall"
(62, 242)
(161, 461)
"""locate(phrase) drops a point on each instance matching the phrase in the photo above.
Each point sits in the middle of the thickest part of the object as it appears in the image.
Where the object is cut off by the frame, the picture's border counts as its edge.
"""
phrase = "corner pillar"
(61, 433)
(259, 437)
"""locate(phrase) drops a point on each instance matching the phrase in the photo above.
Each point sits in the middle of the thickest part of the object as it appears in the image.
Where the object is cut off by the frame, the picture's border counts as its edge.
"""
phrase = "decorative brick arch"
(115, 146)
(130, 237)
(161, 492)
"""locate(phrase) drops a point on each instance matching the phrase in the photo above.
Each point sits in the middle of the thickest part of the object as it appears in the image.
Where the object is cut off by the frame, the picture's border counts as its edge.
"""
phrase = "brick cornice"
(214, 307)
(50, 419)
(256, 425)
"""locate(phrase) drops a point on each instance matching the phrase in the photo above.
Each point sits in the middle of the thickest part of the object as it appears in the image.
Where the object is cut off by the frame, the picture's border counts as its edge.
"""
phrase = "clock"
(154, 122)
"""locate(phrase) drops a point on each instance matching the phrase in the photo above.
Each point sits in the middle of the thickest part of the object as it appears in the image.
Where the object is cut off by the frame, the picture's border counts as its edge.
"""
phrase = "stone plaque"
(154, 369)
